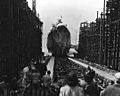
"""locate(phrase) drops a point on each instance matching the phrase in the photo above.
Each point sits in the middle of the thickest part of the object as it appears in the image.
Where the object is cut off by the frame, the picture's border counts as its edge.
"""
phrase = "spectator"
(46, 79)
(112, 90)
(34, 88)
(71, 88)
(91, 88)
(35, 77)
(42, 68)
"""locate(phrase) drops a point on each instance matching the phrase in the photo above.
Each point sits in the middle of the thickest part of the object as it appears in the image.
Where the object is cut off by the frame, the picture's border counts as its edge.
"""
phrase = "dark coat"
(92, 89)
(111, 90)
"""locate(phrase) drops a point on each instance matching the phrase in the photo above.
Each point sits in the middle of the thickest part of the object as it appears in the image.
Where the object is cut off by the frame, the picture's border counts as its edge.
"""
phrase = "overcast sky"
(73, 12)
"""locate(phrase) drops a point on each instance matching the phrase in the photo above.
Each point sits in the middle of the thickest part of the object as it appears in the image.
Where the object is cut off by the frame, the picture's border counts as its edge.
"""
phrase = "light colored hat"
(117, 76)
(26, 69)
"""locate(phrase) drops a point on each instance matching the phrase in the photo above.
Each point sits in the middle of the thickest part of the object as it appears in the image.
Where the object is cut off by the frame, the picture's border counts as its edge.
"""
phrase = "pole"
(97, 14)
(104, 7)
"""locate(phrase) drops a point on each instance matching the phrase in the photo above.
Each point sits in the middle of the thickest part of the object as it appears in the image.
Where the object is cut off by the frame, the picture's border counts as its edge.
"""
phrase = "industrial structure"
(20, 36)
(112, 34)
(89, 41)
(100, 39)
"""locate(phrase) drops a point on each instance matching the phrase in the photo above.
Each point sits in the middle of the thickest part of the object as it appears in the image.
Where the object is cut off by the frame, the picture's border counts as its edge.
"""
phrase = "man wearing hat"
(113, 90)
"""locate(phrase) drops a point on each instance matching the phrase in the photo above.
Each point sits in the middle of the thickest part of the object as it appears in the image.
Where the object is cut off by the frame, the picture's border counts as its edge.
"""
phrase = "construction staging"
(20, 36)
(102, 43)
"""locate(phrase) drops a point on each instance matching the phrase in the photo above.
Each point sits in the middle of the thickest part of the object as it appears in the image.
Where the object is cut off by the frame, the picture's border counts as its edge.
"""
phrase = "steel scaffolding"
(20, 36)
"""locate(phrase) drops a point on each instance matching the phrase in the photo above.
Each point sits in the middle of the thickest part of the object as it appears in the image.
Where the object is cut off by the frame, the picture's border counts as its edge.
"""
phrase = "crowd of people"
(32, 80)
(91, 84)
(90, 88)
(35, 80)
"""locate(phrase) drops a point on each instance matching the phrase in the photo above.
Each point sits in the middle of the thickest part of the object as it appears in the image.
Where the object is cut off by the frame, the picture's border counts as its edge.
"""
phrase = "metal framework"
(20, 36)
(89, 41)
(106, 44)
(113, 34)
